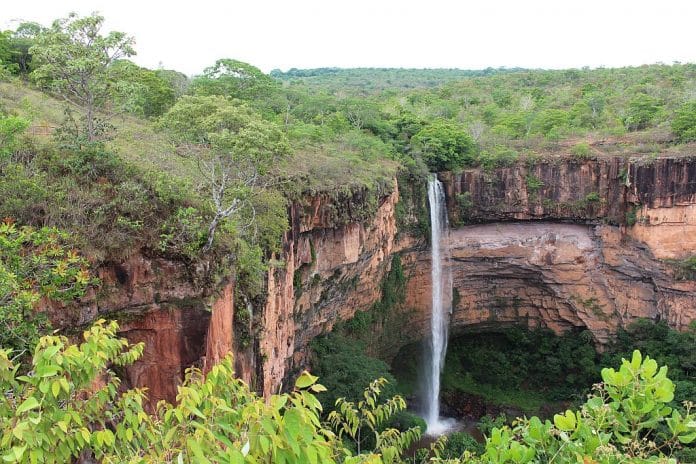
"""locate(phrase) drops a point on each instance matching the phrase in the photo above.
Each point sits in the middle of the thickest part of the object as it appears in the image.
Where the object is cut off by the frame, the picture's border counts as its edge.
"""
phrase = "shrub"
(498, 156)
(581, 150)
(10, 128)
(445, 146)
(684, 123)
(550, 121)
(612, 426)
(533, 183)
(459, 442)
(35, 264)
(592, 197)
(641, 112)
(668, 346)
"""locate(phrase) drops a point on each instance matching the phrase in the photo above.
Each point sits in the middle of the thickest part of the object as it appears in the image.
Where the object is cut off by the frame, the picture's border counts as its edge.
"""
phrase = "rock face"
(555, 275)
(655, 198)
(563, 244)
(156, 302)
(552, 248)
(331, 271)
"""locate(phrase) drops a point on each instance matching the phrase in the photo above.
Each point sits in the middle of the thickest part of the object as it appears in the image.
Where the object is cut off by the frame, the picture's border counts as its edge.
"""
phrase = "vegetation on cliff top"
(103, 167)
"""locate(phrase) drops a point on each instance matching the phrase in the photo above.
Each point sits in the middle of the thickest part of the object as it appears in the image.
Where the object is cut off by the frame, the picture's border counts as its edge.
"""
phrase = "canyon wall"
(656, 197)
(555, 275)
(561, 244)
(331, 271)
(156, 302)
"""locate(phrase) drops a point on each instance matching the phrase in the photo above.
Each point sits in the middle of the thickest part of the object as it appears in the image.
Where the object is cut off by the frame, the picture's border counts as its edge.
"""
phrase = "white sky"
(469, 34)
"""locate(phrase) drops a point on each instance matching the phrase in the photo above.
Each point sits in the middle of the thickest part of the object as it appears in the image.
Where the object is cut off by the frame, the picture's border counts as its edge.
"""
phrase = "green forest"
(101, 158)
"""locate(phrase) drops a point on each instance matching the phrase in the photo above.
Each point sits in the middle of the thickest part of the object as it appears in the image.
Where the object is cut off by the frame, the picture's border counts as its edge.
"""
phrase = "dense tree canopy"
(445, 146)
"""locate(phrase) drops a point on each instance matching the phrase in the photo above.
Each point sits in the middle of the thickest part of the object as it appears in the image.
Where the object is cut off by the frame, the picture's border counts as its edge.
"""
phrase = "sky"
(469, 34)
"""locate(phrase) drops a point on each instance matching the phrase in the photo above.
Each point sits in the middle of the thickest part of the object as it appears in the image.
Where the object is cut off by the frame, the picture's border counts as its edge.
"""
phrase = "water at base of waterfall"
(442, 426)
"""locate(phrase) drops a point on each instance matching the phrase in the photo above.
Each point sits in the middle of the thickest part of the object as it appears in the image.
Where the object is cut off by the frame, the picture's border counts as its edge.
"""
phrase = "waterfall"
(436, 347)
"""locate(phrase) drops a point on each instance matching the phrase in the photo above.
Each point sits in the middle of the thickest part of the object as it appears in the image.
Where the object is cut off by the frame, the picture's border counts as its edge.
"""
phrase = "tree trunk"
(211, 232)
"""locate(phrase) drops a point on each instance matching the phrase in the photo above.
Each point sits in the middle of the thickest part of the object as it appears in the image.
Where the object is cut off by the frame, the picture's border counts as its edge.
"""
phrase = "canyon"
(561, 243)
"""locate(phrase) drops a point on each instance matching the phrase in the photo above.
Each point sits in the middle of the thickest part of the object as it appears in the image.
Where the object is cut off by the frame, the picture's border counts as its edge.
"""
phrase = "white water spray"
(441, 307)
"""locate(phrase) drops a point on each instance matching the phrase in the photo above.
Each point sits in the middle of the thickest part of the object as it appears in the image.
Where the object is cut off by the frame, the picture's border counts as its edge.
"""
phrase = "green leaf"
(29, 404)
(318, 388)
(265, 444)
(197, 451)
(55, 388)
(686, 439)
(15, 454)
(565, 422)
(305, 380)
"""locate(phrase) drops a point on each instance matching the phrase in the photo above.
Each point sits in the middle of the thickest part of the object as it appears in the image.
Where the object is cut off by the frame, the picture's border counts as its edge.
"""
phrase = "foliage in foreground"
(35, 264)
(69, 406)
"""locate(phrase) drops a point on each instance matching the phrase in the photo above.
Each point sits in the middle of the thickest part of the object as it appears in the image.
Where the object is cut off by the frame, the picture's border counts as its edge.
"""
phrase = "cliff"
(570, 243)
(562, 244)
(332, 270)
(655, 197)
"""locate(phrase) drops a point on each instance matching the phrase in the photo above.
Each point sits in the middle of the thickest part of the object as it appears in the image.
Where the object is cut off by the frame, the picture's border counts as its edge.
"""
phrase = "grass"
(325, 166)
(320, 170)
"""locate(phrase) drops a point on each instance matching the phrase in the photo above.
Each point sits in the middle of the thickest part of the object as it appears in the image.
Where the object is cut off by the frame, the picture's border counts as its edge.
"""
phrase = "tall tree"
(233, 146)
(74, 61)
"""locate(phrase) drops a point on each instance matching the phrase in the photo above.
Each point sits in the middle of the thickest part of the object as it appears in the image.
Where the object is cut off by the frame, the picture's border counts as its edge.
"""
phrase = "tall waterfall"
(441, 306)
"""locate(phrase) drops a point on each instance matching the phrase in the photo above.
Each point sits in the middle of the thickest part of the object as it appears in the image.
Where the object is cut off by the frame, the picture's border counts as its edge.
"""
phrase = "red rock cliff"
(564, 244)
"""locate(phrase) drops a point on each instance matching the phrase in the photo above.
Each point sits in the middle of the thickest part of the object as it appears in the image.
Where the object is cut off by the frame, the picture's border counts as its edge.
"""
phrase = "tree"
(551, 120)
(232, 78)
(178, 81)
(445, 146)
(684, 123)
(234, 149)
(141, 91)
(641, 111)
(75, 61)
(362, 423)
(5, 51)
(21, 42)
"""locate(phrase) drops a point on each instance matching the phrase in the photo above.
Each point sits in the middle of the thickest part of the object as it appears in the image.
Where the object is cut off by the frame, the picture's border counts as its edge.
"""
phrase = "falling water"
(441, 307)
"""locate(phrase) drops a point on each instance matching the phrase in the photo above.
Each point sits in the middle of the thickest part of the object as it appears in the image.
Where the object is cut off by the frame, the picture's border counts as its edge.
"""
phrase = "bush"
(459, 442)
(497, 157)
(35, 264)
(445, 146)
(533, 183)
(668, 346)
(625, 419)
(684, 123)
(10, 128)
(641, 112)
(581, 150)
(550, 122)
